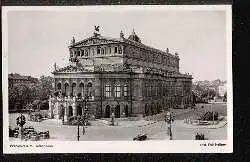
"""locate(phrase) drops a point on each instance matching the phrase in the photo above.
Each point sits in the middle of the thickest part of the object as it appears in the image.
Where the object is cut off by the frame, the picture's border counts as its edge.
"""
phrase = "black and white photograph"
(118, 78)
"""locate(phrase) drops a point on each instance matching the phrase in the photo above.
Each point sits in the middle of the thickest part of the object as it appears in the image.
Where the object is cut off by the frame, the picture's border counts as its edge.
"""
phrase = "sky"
(38, 39)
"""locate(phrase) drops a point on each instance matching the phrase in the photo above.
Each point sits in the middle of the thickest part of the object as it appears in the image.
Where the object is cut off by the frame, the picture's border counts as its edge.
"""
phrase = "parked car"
(140, 137)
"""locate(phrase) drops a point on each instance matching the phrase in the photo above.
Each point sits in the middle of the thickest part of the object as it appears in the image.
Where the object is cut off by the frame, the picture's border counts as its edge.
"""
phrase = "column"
(74, 106)
(66, 111)
(50, 113)
(57, 109)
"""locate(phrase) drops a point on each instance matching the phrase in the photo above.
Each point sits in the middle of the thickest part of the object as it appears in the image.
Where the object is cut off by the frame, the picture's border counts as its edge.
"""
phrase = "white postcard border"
(163, 146)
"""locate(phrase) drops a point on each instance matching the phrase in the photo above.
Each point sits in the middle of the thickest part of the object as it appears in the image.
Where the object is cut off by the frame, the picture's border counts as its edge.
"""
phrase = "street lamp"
(80, 121)
(169, 119)
(20, 121)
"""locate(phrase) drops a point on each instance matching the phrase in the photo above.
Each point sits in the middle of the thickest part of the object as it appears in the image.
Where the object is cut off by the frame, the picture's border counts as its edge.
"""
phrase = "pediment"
(95, 41)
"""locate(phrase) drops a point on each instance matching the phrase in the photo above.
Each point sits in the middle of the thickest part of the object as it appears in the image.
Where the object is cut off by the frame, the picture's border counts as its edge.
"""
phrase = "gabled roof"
(102, 39)
(107, 40)
(71, 69)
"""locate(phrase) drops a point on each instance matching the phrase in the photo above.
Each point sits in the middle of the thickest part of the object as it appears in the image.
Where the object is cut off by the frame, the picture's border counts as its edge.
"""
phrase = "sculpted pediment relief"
(94, 41)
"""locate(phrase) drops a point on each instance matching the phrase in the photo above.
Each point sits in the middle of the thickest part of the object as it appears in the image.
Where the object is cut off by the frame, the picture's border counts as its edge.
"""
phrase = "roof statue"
(97, 30)
(134, 37)
(73, 41)
(121, 34)
(167, 50)
(55, 66)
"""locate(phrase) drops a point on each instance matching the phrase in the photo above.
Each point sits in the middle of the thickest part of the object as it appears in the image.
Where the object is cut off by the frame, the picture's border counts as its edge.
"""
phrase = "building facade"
(222, 89)
(120, 75)
(17, 79)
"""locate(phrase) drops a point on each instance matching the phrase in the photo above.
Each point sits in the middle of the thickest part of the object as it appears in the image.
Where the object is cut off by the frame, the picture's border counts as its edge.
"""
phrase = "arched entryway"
(152, 109)
(146, 110)
(70, 111)
(107, 111)
(117, 111)
(61, 113)
(126, 110)
(157, 108)
(79, 110)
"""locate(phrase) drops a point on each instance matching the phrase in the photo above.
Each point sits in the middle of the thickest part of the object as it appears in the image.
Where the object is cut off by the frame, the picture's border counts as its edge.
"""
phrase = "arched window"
(89, 89)
(125, 90)
(102, 51)
(108, 90)
(117, 90)
(66, 88)
(59, 86)
(98, 50)
(74, 89)
(81, 85)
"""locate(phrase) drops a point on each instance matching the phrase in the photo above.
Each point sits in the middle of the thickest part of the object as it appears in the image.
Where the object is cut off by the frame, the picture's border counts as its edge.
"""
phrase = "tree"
(13, 97)
(19, 96)
(45, 87)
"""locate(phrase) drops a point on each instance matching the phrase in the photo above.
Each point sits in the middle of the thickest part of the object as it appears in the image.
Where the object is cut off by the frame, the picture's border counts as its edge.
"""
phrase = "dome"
(134, 37)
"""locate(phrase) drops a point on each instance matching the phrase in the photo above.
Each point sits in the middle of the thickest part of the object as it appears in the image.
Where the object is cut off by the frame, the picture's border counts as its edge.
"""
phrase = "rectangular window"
(98, 51)
(115, 49)
(125, 90)
(108, 90)
(109, 50)
(78, 53)
(117, 91)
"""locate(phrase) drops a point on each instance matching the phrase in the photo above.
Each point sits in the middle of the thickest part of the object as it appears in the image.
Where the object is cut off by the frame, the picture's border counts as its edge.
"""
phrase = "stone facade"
(121, 75)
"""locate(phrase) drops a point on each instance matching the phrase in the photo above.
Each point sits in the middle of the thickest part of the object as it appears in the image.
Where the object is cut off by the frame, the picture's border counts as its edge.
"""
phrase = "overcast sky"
(38, 39)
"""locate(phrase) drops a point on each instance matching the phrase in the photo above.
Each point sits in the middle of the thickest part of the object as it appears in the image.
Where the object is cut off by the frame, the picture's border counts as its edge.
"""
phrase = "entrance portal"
(117, 111)
(79, 110)
(70, 111)
(61, 112)
(107, 112)
(126, 110)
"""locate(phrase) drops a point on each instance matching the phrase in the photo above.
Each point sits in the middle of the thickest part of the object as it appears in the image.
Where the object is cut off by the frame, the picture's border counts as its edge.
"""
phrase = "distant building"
(120, 75)
(17, 79)
(222, 89)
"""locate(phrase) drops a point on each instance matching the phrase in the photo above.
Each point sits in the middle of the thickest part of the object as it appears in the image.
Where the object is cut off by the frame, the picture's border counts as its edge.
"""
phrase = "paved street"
(128, 130)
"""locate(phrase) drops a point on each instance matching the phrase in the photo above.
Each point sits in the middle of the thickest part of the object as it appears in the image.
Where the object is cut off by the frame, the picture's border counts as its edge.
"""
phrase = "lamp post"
(20, 121)
(80, 121)
(169, 120)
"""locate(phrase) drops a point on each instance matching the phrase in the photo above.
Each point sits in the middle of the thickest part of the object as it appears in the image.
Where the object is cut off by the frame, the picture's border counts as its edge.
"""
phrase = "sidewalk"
(123, 124)
(185, 125)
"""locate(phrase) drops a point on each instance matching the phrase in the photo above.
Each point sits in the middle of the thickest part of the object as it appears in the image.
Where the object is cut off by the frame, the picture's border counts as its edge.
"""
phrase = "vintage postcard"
(143, 79)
